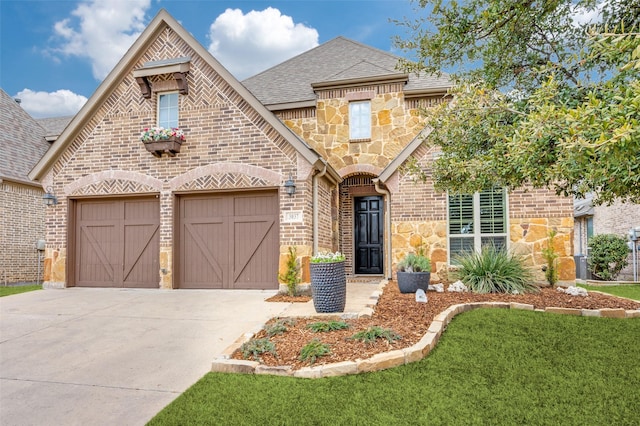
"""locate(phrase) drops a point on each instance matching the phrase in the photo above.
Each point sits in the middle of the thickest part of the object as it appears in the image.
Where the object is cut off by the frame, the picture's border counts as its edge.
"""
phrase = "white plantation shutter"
(492, 211)
(477, 220)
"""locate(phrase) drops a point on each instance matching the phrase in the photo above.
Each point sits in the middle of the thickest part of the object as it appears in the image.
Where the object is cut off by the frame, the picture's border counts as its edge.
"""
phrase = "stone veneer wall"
(228, 146)
(22, 214)
(394, 124)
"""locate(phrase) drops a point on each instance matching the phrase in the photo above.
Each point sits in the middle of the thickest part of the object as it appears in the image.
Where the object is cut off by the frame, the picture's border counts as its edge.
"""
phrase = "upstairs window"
(476, 220)
(168, 110)
(360, 120)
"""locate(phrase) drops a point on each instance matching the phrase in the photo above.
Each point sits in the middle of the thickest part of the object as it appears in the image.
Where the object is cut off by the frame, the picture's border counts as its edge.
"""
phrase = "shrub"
(495, 270)
(414, 263)
(551, 257)
(314, 350)
(375, 332)
(278, 327)
(328, 257)
(318, 327)
(256, 347)
(292, 276)
(608, 256)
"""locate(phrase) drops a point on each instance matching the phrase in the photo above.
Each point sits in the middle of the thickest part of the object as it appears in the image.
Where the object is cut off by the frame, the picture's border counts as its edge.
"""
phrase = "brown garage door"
(117, 243)
(228, 240)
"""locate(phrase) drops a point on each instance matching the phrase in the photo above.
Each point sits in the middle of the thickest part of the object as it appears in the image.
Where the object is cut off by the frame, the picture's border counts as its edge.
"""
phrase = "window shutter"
(492, 211)
(461, 214)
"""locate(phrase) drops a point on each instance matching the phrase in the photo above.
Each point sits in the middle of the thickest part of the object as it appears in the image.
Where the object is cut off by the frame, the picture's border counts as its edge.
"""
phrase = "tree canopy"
(546, 100)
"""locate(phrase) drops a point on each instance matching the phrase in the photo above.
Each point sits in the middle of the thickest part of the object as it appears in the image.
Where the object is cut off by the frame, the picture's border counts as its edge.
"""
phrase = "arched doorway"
(362, 225)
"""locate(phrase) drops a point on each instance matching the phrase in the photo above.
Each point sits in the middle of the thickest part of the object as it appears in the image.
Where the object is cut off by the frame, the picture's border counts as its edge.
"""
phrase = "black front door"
(368, 232)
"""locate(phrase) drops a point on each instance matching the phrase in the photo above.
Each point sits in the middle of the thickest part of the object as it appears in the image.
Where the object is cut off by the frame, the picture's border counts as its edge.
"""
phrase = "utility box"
(40, 244)
(582, 269)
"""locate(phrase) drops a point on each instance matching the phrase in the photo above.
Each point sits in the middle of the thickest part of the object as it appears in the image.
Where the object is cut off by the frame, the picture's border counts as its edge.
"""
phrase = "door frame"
(382, 228)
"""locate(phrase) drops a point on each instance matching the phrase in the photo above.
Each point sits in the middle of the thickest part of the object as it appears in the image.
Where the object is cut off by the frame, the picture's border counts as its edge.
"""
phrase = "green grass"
(631, 291)
(492, 366)
(7, 291)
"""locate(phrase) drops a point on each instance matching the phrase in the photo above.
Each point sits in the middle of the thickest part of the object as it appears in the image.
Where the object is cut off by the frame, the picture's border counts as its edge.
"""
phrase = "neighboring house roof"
(54, 126)
(123, 67)
(338, 60)
(22, 138)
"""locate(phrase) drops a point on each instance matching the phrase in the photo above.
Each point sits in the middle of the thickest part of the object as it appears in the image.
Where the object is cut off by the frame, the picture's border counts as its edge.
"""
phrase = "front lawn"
(492, 366)
(630, 291)
(6, 291)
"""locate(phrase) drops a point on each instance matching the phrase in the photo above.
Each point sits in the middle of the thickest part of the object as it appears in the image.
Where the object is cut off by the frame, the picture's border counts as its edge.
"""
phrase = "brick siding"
(22, 211)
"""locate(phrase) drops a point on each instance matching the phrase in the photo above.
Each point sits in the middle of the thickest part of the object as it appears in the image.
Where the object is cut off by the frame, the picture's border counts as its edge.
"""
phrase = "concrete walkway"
(117, 357)
(113, 357)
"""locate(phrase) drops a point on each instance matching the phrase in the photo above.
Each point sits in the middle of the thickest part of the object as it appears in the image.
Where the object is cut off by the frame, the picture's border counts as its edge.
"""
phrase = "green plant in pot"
(414, 272)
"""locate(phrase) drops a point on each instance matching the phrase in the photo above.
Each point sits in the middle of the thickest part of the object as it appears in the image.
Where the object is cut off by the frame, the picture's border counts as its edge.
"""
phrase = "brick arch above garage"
(211, 174)
(113, 182)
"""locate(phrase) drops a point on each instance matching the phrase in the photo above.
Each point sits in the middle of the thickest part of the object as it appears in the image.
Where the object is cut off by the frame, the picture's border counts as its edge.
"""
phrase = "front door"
(368, 233)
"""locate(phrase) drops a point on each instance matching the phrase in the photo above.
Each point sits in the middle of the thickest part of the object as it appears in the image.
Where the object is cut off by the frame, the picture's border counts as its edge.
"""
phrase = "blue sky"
(54, 53)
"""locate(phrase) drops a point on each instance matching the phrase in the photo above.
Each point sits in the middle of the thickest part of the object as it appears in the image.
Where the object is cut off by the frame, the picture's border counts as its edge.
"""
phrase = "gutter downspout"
(315, 207)
(387, 225)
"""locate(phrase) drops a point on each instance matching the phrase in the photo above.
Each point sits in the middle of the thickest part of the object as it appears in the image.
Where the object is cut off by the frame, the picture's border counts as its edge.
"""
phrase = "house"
(618, 219)
(22, 210)
(21, 207)
(305, 154)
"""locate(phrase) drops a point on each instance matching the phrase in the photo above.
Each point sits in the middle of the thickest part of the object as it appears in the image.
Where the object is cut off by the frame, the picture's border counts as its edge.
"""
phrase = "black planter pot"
(410, 282)
(328, 286)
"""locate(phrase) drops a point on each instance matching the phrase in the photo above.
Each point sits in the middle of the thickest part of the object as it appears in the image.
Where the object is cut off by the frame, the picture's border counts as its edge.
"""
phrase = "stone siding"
(22, 211)
(393, 125)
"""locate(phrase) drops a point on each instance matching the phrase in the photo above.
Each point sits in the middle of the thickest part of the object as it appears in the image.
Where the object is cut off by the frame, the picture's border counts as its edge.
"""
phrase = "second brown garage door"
(228, 240)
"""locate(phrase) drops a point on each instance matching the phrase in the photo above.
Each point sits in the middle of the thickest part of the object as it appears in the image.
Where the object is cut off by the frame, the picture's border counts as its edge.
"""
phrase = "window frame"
(359, 120)
(476, 232)
(177, 109)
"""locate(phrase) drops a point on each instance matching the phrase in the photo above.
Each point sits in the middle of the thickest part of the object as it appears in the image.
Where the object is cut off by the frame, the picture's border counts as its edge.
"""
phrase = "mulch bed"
(401, 313)
(281, 297)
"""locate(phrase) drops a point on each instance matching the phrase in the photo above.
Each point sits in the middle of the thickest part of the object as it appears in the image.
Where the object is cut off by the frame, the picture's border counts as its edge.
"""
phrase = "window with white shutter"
(476, 220)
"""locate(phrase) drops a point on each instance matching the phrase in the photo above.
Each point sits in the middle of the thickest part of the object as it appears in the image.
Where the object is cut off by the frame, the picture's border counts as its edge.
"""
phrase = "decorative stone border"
(382, 361)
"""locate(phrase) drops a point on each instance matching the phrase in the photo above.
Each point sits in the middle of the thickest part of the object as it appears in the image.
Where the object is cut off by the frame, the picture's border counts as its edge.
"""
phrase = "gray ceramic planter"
(410, 282)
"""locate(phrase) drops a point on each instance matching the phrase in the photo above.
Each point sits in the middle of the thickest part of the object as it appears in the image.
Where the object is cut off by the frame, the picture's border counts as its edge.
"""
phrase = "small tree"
(292, 276)
(608, 256)
(551, 257)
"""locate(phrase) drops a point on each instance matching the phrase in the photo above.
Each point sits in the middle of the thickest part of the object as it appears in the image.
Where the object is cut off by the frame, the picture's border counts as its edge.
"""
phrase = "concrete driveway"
(109, 356)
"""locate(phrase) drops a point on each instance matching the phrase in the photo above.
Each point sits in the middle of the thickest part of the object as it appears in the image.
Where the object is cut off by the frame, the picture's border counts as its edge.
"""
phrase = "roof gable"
(122, 70)
(336, 60)
(22, 139)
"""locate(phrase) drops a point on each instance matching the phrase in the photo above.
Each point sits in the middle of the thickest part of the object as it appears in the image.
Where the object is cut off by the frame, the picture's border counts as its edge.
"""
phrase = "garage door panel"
(203, 260)
(141, 262)
(236, 244)
(97, 260)
(252, 259)
(117, 243)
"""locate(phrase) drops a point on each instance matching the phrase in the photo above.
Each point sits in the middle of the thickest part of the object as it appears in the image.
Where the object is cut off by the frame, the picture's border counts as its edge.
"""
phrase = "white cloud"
(583, 15)
(248, 44)
(101, 31)
(50, 104)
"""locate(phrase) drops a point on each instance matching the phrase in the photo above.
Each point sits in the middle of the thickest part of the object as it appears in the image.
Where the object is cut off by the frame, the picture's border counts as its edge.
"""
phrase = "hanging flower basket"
(328, 285)
(158, 141)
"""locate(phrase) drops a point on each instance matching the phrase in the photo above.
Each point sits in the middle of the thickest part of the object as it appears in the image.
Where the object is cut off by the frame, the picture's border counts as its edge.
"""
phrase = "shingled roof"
(337, 60)
(54, 126)
(22, 141)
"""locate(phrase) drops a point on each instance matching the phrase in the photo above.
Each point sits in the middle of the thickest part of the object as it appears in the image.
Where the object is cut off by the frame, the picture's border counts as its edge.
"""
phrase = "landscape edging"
(396, 357)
